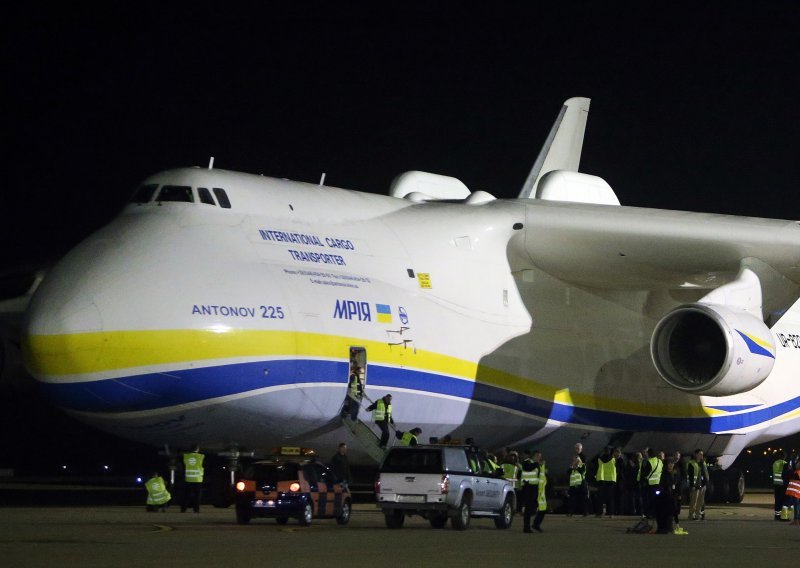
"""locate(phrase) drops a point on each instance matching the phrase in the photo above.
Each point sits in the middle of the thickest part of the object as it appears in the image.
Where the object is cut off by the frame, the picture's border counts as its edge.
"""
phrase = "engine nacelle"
(712, 350)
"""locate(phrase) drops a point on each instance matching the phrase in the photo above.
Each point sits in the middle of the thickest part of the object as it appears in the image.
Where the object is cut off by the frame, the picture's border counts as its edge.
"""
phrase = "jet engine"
(712, 350)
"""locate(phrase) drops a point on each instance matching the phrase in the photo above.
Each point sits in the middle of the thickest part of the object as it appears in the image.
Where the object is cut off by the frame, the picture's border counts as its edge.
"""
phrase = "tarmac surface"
(109, 536)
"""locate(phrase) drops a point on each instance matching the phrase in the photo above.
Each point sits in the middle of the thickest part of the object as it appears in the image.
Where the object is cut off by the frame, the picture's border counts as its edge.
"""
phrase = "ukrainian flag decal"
(384, 313)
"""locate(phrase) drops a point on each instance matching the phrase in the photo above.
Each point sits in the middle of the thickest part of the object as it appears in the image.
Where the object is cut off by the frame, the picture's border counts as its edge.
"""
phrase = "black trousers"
(607, 495)
(191, 496)
(384, 426)
(780, 499)
(530, 502)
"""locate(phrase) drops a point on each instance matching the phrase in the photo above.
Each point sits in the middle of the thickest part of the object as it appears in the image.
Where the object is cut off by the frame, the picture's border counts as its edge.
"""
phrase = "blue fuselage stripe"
(167, 389)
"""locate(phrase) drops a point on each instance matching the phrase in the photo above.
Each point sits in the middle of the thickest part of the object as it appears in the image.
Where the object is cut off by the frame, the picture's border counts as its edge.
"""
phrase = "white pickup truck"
(441, 483)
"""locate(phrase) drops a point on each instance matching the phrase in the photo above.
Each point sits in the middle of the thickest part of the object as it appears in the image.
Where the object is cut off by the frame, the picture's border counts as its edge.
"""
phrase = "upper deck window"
(222, 197)
(205, 196)
(176, 193)
(144, 193)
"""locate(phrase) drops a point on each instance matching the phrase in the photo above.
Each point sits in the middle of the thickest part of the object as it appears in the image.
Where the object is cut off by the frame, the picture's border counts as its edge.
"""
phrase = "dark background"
(694, 107)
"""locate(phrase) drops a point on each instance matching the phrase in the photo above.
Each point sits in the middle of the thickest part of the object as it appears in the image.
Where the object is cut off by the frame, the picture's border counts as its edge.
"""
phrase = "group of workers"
(159, 497)
(649, 484)
(786, 485)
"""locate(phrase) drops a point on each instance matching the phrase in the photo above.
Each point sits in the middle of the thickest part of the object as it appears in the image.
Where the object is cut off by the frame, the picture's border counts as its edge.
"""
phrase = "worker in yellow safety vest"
(409, 438)
(157, 495)
(193, 479)
(779, 481)
(606, 482)
(651, 478)
(534, 481)
(577, 478)
(697, 477)
(382, 416)
(793, 490)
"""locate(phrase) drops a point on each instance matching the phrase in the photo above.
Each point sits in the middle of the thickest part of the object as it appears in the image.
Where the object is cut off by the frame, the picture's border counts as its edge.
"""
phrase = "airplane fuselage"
(186, 322)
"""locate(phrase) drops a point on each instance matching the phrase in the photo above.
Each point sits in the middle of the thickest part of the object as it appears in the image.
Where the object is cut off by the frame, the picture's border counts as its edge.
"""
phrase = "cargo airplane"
(227, 309)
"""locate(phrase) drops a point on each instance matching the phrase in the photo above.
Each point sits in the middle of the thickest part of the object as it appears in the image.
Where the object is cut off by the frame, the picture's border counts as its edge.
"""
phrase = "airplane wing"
(627, 248)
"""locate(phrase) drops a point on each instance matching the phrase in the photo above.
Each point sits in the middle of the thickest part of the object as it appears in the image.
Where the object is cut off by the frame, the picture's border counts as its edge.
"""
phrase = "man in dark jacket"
(340, 465)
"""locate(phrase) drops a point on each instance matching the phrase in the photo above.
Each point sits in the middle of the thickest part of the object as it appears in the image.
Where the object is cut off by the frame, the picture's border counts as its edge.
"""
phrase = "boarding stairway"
(367, 439)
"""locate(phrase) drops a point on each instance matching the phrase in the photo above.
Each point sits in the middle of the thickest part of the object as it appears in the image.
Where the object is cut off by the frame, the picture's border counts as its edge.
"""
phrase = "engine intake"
(712, 350)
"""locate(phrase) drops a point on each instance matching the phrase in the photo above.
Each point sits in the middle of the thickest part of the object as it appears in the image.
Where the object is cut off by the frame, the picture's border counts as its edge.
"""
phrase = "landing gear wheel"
(307, 515)
(736, 485)
(394, 518)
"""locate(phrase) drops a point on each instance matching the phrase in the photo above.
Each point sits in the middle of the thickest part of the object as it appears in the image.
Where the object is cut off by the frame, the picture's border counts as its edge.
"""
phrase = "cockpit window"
(205, 196)
(144, 193)
(222, 197)
(176, 193)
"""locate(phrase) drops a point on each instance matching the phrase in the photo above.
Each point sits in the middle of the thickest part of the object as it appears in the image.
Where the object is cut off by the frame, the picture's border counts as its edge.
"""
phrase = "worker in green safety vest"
(577, 478)
(193, 479)
(382, 416)
(157, 495)
(409, 438)
(780, 481)
(651, 478)
(606, 482)
(534, 481)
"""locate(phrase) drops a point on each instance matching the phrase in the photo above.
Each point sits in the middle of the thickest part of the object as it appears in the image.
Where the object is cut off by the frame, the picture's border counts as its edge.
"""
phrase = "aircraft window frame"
(205, 196)
(147, 188)
(176, 194)
(222, 197)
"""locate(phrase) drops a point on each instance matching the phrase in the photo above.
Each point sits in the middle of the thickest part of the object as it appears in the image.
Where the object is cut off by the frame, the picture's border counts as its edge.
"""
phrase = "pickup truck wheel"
(438, 521)
(506, 515)
(460, 518)
(394, 518)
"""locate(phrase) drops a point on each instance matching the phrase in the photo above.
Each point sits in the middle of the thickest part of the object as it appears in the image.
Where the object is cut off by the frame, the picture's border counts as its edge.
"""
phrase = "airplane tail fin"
(562, 148)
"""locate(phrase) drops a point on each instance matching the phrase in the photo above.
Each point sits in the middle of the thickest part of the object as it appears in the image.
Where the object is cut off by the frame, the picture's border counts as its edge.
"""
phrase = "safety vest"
(777, 471)
(542, 497)
(607, 471)
(695, 467)
(531, 477)
(354, 386)
(793, 490)
(656, 465)
(193, 463)
(510, 472)
(406, 439)
(382, 411)
(575, 477)
(157, 493)
(490, 467)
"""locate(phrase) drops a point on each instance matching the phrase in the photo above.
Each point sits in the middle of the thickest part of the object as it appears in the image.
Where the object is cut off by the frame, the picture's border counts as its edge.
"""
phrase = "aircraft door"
(356, 382)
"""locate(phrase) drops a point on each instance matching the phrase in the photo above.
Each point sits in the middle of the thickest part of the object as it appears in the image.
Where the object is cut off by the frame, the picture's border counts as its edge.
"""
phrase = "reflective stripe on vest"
(777, 471)
(157, 493)
(194, 467)
(532, 476)
(406, 439)
(382, 411)
(656, 465)
(793, 490)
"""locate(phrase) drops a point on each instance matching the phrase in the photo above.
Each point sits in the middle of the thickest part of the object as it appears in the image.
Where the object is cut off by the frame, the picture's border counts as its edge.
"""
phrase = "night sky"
(694, 104)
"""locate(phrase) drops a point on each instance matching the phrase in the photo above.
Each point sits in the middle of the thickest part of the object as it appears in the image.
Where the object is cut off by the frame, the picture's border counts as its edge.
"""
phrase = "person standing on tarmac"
(651, 477)
(340, 465)
(793, 492)
(193, 479)
(697, 479)
(382, 416)
(157, 495)
(606, 482)
(534, 482)
(577, 478)
(780, 480)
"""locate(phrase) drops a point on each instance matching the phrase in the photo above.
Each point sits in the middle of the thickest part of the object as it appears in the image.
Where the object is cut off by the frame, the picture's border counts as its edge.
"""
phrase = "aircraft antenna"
(211, 163)
(322, 179)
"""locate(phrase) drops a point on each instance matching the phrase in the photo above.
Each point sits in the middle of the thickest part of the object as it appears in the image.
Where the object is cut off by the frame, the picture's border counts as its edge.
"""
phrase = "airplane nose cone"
(63, 322)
